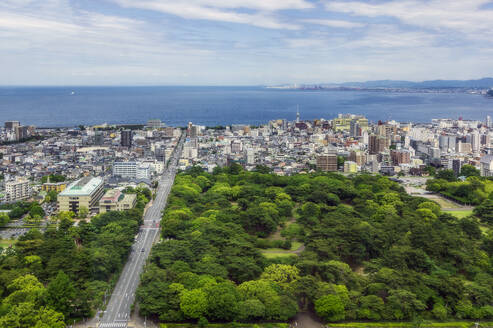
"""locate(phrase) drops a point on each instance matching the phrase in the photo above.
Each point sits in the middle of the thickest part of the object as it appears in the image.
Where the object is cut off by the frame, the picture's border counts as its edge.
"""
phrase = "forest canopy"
(369, 251)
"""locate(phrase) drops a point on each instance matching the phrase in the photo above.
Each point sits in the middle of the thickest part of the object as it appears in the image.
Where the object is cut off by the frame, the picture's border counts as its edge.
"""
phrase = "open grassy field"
(445, 203)
(460, 213)
(278, 254)
(4, 243)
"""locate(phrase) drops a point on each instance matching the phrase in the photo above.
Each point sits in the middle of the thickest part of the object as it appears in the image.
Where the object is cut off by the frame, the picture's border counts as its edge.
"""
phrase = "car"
(143, 249)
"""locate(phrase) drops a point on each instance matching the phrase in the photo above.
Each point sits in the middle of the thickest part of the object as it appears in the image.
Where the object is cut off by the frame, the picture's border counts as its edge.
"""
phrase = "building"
(447, 143)
(400, 157)
(132, 170)
(17, 189)
(11, 125)
(143, 171)
(358, 157)
(377, 144)
(58, 186)
(115, 200)
(486, 166)
(327, 162)
(456, 166)
(350, 167)
(98, 138)
(126, 138)
(343, 122)
(236, 146)
(125, 169)
(85, 192)
(475, 141)
(155, 124)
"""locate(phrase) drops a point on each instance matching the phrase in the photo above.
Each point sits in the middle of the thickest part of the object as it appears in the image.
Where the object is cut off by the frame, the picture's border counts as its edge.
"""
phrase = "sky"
(242, 42)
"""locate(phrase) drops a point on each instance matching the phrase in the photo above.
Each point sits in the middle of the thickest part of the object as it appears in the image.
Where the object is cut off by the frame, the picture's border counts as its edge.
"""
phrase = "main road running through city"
(117, 312)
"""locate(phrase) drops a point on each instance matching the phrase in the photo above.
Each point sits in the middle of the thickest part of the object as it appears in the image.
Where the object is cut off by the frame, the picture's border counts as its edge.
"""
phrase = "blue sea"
(211, 106)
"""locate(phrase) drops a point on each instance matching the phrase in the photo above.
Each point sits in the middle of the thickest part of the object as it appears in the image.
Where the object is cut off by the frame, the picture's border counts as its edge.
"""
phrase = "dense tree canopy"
(63, 273)
(372, 252)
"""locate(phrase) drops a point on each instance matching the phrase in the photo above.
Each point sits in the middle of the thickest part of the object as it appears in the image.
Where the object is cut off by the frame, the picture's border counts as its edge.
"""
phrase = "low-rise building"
(350, 167)
(85, 192)
(52, 186)
(115, 200)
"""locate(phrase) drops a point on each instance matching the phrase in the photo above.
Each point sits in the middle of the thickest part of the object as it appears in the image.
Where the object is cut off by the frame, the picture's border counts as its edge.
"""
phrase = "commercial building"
(486, 166)
(85, 192)
(115, 200)
(17, 189)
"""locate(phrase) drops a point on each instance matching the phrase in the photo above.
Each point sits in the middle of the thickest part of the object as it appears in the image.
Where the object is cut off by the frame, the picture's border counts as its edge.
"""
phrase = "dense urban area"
(343, 218)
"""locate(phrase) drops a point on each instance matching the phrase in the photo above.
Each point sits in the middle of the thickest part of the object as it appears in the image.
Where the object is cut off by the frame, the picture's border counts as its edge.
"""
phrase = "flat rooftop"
(82, 187)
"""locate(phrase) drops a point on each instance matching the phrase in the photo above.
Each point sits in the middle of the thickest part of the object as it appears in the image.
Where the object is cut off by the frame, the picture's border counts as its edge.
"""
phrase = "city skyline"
(213, 42)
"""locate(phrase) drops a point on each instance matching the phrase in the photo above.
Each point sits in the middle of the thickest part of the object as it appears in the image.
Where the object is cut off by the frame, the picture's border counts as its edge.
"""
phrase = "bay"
(211, 106)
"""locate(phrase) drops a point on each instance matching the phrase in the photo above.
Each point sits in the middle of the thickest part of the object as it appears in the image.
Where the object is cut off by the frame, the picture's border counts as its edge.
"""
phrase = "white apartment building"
(132, 170)
(17, 189)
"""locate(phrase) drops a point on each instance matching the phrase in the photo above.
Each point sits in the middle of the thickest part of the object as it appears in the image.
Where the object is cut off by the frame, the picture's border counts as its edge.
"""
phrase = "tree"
(281, 273)
(193, 303)
(36, 211)
(448, 175)
(222, 301)
(330, 308)
(439, 311)
(61, 294)
(83, 212)
(4, 220)
(485, 211)
(469, 171)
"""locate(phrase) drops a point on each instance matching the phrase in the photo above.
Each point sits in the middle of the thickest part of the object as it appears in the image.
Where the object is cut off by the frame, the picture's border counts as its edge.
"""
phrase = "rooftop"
(82, 187)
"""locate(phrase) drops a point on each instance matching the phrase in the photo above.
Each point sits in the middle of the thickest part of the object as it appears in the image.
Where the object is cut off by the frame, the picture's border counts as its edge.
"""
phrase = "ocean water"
(211, 106)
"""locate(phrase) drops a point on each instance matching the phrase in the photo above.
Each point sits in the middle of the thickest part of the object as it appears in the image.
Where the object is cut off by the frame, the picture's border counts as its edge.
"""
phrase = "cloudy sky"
(242, 42)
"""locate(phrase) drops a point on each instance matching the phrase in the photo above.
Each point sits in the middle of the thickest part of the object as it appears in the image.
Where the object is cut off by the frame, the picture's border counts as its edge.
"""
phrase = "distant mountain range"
(484, 83)
(481, 83)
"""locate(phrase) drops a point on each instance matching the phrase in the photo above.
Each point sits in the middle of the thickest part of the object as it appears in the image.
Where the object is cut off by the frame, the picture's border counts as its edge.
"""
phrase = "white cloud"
(333, 23)
(459, 15)
(221, 10)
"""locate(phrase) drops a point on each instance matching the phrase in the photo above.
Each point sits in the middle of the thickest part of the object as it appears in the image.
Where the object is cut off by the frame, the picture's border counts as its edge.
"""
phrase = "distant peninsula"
(481, 86)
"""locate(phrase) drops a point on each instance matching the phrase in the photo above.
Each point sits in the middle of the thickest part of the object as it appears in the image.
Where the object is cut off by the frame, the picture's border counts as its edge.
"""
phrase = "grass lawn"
(445, 203)
(460, 214)
(277, 254)
(294, 246)
(4, 243)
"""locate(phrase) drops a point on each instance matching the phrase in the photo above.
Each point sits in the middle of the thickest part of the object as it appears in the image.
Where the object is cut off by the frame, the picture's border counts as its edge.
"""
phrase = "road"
(117, 312)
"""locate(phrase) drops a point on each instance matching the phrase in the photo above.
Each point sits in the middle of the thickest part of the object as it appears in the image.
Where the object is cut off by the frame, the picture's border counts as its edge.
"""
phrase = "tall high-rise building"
(377, 144)
(456, 166)
(98, 138)
(11, 125)
(475, 141)
(126, 138)
(488, 122)
(400, 157)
